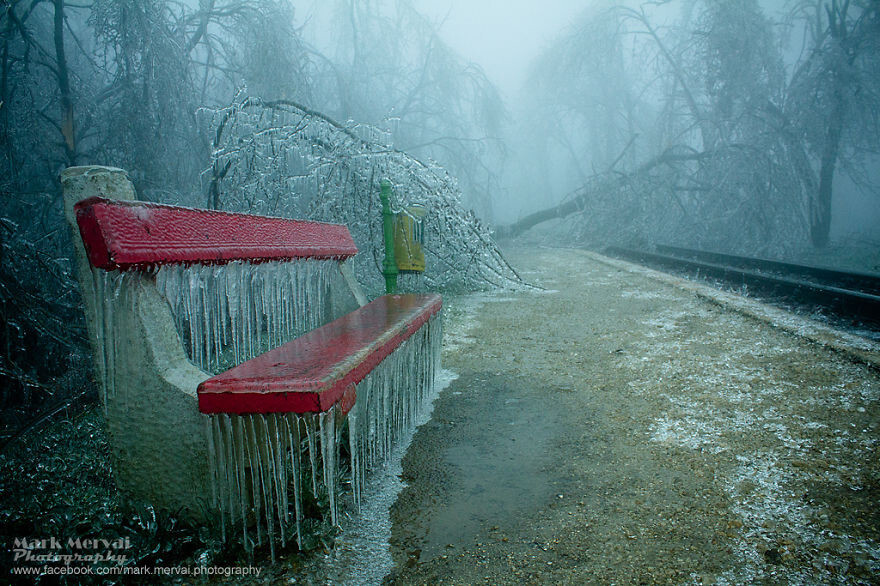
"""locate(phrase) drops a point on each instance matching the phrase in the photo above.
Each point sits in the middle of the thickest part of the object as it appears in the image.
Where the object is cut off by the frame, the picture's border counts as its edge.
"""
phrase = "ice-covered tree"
(121, 82)
(833, 98)
(283, 158)
(391, 69)
(729, 148)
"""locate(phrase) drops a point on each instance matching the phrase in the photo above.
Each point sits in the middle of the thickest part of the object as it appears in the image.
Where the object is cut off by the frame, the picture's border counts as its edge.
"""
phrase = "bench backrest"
(237, 284)
(127, 235)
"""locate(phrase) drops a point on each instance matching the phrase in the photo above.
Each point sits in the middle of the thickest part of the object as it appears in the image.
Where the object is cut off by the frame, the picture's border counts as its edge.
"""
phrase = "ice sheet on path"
(362, 554)
(460, 316)
(646, 294)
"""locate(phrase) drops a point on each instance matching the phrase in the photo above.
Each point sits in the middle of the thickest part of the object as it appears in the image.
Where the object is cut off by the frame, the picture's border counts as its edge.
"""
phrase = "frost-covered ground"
(790, 426)
(649, 430)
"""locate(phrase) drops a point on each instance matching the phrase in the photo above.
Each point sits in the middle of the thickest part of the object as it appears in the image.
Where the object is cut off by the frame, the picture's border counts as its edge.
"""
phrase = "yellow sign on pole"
(409, 238)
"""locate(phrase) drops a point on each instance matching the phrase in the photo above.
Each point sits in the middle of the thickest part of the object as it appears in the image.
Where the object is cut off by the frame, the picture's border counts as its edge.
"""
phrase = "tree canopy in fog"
(699, 130)
(266, 150)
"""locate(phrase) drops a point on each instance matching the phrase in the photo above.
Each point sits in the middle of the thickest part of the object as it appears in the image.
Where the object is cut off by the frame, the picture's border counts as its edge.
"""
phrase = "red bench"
(134, 234)
(258, 413)
(309, 374)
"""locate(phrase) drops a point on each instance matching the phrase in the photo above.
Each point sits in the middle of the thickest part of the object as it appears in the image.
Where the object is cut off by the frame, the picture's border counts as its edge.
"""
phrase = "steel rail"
(864, 282)
(857, 306)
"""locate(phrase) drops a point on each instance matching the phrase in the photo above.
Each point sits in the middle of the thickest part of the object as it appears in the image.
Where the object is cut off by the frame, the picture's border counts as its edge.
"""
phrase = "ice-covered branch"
(283, 158)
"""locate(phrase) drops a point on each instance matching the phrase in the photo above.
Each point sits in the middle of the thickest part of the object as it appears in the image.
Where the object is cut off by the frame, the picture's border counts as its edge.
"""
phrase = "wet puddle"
(485, 451)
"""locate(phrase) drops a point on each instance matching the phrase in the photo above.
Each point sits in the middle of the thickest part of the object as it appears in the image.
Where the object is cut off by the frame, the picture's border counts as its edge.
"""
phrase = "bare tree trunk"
(560, 211)
(67, 127)
(820, 212)
(820, 209)
(680, 76)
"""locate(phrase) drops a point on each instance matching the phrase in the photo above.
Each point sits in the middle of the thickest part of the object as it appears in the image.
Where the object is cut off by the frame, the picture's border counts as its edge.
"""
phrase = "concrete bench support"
(159, 448)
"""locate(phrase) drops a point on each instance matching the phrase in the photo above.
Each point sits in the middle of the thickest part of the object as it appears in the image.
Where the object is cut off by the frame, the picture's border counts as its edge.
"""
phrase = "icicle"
(295, 434)
(216, 499)
(240, 488)
(265, 463)
(278, 446)
(355, 451)
(329, 457)
(111, 289)
(243, 309)
(258, 459)
(389, 399)
(313, 452)
(255, 469)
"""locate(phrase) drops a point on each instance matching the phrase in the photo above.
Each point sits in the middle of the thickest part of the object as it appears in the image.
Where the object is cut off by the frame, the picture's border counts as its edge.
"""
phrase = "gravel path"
(624, 429)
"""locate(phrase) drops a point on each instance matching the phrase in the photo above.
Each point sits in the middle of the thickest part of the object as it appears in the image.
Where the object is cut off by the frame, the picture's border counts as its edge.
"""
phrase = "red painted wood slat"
(312, 372)
(125, 235)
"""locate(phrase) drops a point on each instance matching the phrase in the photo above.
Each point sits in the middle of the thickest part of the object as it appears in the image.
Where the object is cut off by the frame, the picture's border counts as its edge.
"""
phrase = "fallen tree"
(600, 184)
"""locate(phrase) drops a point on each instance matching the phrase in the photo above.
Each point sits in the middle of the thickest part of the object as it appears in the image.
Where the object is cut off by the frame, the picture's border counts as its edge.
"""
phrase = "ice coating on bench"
(390, 398)
(133, 235)
(227, 314)
(230, 300)
(313, 372)
(390, 388)
(258, 479)
(109, 292)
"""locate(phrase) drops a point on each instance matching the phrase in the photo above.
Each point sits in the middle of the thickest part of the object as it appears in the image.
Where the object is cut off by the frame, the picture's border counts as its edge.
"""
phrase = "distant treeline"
(708, 123)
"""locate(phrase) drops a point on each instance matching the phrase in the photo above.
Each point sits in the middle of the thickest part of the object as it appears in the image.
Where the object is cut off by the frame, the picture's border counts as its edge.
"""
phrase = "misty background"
(526, 29)
(746, 127)
(535, 53)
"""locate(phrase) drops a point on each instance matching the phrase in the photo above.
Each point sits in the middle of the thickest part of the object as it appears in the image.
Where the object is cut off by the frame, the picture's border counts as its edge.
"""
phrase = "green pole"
(389, 265)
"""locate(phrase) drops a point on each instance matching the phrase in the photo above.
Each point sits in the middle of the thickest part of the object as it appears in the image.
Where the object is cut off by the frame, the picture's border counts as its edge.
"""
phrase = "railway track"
(850, 297)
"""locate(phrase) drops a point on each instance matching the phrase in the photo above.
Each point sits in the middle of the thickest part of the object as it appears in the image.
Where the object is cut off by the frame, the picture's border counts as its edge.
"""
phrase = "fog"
(501, 37)
(509, 41)
(748, 127)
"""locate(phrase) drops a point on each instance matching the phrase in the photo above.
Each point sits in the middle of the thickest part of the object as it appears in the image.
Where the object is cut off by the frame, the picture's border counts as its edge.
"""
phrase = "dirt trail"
(622, 430)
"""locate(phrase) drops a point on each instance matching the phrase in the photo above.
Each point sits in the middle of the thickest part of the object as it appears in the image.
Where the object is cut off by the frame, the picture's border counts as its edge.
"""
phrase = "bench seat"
(314, 371)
